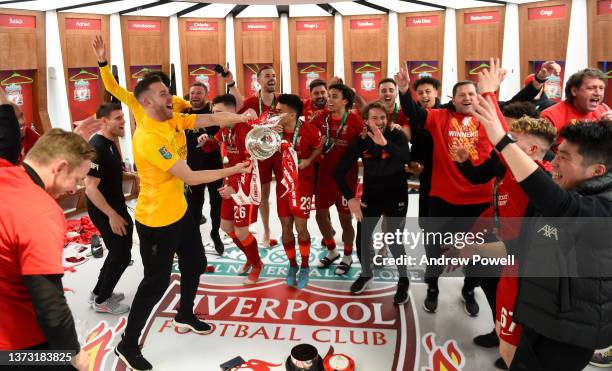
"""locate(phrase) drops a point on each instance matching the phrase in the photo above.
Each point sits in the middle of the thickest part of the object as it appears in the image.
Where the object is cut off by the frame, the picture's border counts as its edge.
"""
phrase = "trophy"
(262, 141)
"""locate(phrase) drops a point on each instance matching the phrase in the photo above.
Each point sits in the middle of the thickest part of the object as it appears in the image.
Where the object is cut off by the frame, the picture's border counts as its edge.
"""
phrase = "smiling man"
(317, 101)
(107, 209)
(565, 292)
(452, 196)
(584, 95)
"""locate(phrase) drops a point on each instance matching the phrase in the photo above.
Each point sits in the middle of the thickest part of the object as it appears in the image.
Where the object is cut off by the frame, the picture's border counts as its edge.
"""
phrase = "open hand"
(377, 136)
(354, 206)
(484, 111)
(99, 48)
(490, 78)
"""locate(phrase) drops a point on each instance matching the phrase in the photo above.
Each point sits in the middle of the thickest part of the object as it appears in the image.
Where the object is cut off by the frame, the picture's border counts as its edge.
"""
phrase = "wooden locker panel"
(311, 44)
(600, 31)
(17, 51)
(22, 36)
(418, 41)
(480, 33)
(365, 40)
(149, 51)
(543, 29)
(202, 44)
(310, 47)
(257, 42)
(77, 32)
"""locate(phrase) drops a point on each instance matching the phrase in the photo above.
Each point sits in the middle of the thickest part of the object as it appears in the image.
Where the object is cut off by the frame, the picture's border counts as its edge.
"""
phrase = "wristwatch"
(507, 139)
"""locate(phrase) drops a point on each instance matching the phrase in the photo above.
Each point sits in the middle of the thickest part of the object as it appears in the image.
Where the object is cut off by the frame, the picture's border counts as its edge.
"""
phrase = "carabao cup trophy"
(262, 141)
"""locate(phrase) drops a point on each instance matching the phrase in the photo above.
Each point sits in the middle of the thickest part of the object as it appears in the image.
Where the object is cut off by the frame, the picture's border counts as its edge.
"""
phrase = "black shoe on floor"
(431, 300)
(132, 357)
(360, 284)
(203, 220)
(500, 364)
(401, 294)
(219, 247)
(489, 340)
(470, 305)
(193, 323)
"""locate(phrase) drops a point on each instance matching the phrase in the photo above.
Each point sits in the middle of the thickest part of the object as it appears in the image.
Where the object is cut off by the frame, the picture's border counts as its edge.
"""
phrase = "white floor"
(168, 350)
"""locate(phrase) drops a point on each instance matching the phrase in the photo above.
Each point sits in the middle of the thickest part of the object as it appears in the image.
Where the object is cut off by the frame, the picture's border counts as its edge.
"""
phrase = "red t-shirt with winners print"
(446, 128)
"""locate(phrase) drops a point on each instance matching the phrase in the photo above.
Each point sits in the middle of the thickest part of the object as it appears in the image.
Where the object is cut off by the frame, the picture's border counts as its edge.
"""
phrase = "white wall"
(338, 47)
(449, 64)
(511, 57)
(175, 54)
(57, 96)
(284, 54)
(577, 41)
(116, 58)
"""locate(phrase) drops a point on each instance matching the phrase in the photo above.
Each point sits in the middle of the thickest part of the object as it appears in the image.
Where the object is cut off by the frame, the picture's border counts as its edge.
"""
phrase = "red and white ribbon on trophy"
(250, 180)
(290, 173)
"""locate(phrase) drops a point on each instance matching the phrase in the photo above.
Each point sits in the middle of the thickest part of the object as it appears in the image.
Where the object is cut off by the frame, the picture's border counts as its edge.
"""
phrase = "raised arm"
(108, 79)
(416, 113)
(233, 89)
(223, 118)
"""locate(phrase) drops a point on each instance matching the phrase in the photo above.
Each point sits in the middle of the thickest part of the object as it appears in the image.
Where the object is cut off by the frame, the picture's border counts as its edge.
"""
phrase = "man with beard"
(385, 192)
(204, 154)
(294, 207)
(584, 94)
(164, 227)
(107, 209)
(339, 128)
(387, 94)
(264, 103)
(318, 100)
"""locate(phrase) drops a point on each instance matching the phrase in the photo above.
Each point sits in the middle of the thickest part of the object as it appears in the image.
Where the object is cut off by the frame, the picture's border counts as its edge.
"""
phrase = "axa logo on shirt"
(549, 231)
(165, 153)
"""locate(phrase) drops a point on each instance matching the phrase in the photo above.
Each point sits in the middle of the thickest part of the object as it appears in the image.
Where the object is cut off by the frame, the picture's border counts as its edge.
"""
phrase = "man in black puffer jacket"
(565, 290)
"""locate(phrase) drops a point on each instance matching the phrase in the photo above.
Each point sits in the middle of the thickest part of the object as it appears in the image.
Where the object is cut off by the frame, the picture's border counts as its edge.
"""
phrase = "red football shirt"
(309, 139)
(25, 250)
(447, 182)
(253, 102)
(563, 114)
(233, 140)
(310, 110)
(341, 138)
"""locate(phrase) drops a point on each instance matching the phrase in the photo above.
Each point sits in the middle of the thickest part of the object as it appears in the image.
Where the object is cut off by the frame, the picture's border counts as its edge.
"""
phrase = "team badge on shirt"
(165, 153)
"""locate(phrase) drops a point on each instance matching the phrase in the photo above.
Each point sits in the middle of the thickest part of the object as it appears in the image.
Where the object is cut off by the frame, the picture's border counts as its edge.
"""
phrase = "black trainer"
(470, 305)
(132, 357)
(489, 340)
(500, 364)
(193, 323)
(219, 247)
(401, 294)
(360, 284)
(431, 300)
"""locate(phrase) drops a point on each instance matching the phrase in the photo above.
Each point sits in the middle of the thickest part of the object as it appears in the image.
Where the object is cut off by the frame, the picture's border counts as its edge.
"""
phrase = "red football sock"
(304, 252)
(348, 249)
(330, 243)
(289, 247)
(250, 249)
(236, 240)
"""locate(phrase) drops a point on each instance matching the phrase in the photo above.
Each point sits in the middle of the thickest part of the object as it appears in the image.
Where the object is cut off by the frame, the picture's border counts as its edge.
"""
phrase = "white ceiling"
(256, 8)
